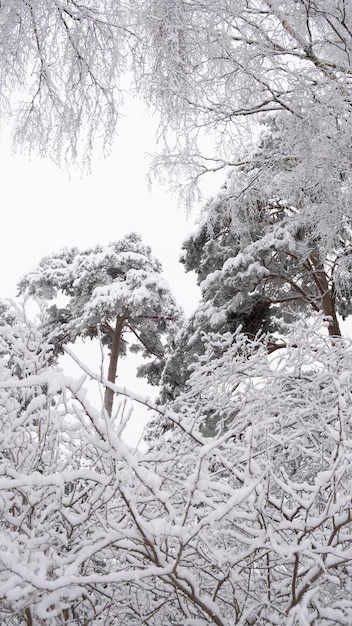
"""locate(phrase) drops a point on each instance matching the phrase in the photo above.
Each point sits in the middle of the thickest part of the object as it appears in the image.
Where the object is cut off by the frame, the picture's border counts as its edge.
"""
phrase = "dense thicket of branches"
(59, 70)
(250, 526)
(204, 65)
(220, 66)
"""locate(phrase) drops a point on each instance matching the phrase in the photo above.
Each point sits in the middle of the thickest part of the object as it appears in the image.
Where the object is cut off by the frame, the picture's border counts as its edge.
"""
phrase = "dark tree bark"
(114, 357)
(327, 294)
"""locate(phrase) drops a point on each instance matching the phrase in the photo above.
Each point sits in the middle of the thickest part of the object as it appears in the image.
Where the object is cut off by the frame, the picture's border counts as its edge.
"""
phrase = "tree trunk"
(327, 294)
(114, 356)
(28, 616)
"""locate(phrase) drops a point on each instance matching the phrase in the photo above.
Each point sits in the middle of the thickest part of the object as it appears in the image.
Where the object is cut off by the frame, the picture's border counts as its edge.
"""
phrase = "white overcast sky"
(44, 209)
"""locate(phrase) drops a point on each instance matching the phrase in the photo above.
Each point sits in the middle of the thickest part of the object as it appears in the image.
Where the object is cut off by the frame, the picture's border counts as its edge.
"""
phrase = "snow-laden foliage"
(268, 250)
(71, 550)
(59, 69)
(100, 284)
(240, 514)
(115, 293)
(250, 525)
(214, 69)
(206, 66)
(268, 494)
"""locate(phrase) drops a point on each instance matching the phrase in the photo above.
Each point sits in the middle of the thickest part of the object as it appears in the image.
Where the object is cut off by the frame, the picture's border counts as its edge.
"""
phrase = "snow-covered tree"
(266, 499)
(112, 293)
(264, 254)
(67, 492)
(247, 524)
(262, 239)
(203, 65)
(263, 251)
(60, 65)
(218, 68)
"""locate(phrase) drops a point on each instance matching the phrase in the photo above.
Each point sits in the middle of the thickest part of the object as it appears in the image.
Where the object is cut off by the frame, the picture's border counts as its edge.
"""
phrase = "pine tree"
(264, 257)
(115, 293)
(260, 256)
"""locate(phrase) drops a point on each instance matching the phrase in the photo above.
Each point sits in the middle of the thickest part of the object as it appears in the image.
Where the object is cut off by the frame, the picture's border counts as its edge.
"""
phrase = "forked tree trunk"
(114, 357)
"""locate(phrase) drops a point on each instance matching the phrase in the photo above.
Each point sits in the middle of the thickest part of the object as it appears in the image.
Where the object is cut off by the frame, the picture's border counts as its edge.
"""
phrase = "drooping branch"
(141, 341)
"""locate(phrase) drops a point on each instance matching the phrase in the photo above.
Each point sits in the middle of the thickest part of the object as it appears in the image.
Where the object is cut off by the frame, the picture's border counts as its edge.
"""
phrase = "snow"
(252, 523)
